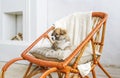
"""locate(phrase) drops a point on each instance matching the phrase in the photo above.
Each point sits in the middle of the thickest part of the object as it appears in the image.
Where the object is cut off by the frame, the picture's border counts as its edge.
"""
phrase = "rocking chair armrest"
(36, 41)
(47, 36)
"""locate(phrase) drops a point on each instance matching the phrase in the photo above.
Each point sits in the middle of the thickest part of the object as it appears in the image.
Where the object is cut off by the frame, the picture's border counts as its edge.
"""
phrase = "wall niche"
(13, 26)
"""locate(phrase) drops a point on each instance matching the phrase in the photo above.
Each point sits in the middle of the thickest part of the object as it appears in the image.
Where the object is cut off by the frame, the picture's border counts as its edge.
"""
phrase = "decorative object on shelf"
(18, 37)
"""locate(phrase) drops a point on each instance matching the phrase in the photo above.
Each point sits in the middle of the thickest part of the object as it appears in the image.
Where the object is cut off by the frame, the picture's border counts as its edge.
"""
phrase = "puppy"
(61, 39)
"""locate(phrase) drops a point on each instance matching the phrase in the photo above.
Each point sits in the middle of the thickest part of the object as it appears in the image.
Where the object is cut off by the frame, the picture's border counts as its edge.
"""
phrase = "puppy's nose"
(56, 38)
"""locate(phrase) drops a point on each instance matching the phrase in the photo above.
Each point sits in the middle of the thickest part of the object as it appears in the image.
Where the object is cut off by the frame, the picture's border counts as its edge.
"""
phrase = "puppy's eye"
(61, 34)
(56, 34)
(53, 34)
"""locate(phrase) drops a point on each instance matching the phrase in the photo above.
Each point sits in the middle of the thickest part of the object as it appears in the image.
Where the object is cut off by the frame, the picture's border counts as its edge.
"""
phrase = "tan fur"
(59, 33)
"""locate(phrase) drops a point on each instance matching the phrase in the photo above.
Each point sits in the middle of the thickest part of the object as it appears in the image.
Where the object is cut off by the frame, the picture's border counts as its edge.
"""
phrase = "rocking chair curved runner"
(63, 68)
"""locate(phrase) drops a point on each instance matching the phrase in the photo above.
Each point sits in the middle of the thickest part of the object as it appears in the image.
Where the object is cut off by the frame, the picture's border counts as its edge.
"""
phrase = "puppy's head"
(59, 34)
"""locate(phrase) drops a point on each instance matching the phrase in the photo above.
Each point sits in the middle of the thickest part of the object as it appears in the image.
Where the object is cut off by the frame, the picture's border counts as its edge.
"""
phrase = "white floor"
(17, 71)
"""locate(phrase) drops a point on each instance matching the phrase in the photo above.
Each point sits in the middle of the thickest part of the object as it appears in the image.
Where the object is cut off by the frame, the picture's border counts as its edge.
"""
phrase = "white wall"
(17, 4)
(61, 8)
(32, 19)
(11, 49)
(9, 26)
(0, 20)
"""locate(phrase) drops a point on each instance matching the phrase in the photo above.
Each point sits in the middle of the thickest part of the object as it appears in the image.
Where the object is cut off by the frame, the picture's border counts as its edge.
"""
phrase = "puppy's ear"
(53, 33)
(62, 32)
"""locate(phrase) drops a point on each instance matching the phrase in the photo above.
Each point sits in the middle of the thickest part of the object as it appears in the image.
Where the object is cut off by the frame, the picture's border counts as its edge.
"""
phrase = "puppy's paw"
(54, 46)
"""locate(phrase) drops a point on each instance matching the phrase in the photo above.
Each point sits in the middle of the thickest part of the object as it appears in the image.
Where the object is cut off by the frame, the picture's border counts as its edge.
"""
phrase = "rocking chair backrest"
(96, 36)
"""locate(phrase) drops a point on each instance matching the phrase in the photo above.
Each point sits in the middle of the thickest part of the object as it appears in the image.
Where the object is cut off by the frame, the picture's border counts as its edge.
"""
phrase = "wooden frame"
(63, 67)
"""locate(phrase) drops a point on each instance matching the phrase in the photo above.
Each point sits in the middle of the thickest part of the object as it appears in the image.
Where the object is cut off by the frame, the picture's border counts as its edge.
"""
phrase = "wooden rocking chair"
(63, 69)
